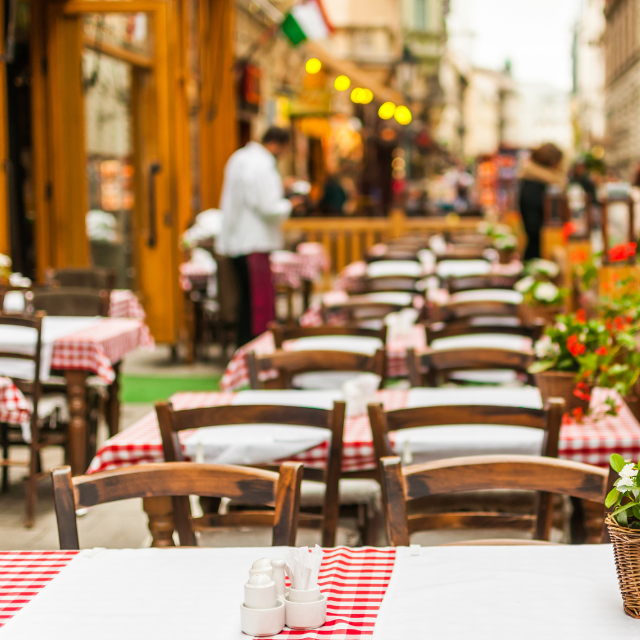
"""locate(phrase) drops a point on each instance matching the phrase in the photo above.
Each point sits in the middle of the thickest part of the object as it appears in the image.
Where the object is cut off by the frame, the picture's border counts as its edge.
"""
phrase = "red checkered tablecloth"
(308, 263)
(591, 441)
(354, 581)
(14, 409)
(125, 304)
(236, 374)
(95, 349)
(23, 574)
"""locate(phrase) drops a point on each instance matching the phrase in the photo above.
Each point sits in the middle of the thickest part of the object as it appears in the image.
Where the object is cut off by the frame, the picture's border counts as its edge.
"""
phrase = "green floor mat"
(152, 388)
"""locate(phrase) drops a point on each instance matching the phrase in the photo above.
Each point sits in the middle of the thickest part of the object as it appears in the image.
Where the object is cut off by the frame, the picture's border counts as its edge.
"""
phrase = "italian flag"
(307, 21)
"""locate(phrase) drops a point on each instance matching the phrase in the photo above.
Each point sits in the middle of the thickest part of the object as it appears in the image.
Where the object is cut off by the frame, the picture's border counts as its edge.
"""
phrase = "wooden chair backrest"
(32, 387)
(359, 308)
(462, 252)
(471, 239)
(172, 422)
(473, 308)
(281, 333)
(456, 284)
(548, 419)
(71, 301)
(479, 324)
(181, 479)
(441, 362)
(90, 278)
(397, 252)
(390, 283)
(477, 473)
(290, 363)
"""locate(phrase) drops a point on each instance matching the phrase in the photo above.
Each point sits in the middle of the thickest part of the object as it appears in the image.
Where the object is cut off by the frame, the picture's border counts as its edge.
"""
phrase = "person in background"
(253, 206)
(582, 176)
(536, 174)
(333, 197)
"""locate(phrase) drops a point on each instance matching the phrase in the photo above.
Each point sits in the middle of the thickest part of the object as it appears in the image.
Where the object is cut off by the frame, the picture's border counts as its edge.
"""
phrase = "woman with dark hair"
(538, 173)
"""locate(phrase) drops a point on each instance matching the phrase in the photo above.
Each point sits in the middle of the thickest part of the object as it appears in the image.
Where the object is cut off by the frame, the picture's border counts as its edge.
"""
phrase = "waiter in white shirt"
(253, 207)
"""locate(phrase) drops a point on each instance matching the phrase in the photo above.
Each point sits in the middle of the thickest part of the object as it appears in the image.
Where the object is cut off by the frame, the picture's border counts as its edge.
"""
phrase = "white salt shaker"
(261, 566)
(277, 574)
(261, 613)
(260, 592)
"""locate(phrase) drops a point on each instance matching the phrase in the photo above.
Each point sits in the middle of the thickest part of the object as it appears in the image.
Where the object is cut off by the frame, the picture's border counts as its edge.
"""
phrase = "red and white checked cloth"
(236, 374)
(592, 441)
(355, 582)
(308, 263)
(125, 304)
(14, 409)
(95, 349)
(23, 574)
(194, 275)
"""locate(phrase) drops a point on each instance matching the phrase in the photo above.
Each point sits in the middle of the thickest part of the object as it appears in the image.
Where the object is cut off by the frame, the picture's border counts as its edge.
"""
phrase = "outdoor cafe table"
(79, 347)
(532, 592)
(236, 374)
(591, 441)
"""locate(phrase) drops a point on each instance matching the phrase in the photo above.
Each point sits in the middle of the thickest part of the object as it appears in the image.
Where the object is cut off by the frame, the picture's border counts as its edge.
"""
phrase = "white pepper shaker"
(277, 575)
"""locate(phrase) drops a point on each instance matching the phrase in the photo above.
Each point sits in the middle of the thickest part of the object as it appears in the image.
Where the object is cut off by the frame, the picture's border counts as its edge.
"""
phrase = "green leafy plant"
(625, 495)
(540, 292)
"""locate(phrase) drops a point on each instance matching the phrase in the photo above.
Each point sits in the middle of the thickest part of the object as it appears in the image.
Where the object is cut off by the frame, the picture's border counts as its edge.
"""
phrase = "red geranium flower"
(619, 323)
(581, 316)
(622, 252)
(576, 348)
(578, 414)
(602, 351)
(582, 391)
(568, 230)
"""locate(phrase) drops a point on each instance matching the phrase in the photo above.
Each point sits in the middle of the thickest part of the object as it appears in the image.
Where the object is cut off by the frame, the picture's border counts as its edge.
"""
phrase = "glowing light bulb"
(366, 96)
(403, 115)
(313, 65)
(342, 83)
(387, 110)
(357, 95)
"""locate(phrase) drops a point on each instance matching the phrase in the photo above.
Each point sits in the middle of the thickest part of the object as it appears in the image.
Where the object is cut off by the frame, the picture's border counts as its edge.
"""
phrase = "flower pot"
(626, 549)
(547, 313)
(505, 256)
(560, 384)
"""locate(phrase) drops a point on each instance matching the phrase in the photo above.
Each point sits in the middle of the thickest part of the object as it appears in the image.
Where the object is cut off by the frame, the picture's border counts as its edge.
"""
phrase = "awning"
(359, 77)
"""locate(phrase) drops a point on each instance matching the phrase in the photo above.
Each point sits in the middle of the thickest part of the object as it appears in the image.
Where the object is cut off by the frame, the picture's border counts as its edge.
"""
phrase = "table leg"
(113, 403)
(307, 290)
(77, 398)
(161, 523)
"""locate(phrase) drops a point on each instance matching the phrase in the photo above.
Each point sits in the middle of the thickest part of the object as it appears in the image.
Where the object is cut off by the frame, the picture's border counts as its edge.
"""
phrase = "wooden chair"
(288, 364)
(178, 480)
(71, 301)
(390, 283)
(439, 363)
(282, 333)
(484, 324)
(455, 284)
(89, 278)
(360, 309)
(401, 487)
(172, 422)
(46, 428)
(475, 308)
(394, 252)
(462, 252)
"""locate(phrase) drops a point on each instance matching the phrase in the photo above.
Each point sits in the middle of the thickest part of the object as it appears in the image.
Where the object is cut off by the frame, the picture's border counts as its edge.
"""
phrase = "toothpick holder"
(305, 609)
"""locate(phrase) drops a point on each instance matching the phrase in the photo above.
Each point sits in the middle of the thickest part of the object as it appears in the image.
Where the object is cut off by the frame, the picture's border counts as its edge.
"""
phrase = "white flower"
(506, 242)
(546, 347)
(546, 267)
(561, 326)
(546, 292)
(628, 471)
(484, 227)
(502, 229)
(624, 484)
(524, 285)
(5, 261)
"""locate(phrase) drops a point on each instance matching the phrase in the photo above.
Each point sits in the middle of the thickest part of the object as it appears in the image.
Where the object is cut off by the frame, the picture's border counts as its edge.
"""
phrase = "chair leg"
(31, 490)
(4, 434)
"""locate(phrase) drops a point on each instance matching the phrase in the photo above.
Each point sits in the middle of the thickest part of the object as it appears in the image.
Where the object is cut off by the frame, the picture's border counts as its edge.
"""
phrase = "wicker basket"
(560, 384)
(529, 314)
(626, 549)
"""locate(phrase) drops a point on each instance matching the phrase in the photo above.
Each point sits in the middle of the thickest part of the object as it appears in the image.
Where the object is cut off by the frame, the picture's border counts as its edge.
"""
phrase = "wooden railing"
(348, 239)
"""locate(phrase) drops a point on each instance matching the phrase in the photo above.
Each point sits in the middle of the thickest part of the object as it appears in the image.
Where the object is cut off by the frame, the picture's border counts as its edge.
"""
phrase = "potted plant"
(541, 269)
(576, 354)
(541, 299)
(623, 524)
(506, 245)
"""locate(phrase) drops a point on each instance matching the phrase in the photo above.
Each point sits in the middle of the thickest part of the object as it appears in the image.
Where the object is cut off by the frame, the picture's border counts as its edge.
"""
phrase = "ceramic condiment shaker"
(277, 574)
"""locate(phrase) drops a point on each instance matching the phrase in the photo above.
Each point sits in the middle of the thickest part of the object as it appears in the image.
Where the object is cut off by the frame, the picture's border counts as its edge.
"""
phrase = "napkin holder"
(305, 608)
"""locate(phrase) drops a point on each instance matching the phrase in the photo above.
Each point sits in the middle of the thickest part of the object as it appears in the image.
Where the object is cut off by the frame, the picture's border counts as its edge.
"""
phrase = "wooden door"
(154, 216)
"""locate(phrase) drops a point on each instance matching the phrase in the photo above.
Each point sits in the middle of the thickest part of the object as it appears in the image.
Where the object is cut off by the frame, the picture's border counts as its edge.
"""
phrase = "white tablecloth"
(384, 268)
(461, 268)
(529, 593)
(352, 344)
(488, 295)
(484, 341)
(23, 340)
(445, 592)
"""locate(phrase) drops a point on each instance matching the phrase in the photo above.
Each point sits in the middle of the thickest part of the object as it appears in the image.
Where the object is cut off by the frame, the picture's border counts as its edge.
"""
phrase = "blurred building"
(451, 129)
(490, 112)
(588, 94)
(622, 40)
